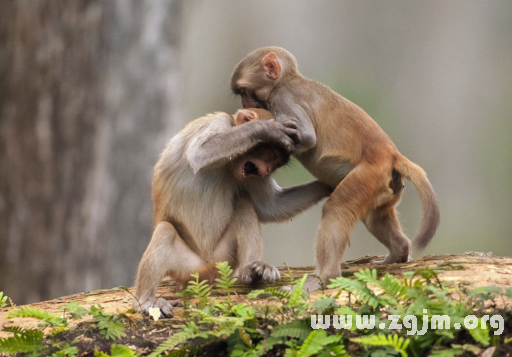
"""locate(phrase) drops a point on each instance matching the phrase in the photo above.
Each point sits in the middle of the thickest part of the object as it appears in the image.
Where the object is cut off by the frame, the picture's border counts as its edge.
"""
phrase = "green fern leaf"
(368, 276)
(111, 328)
(297, 291)
(450, 352)
(244, 336)
(480, 334)
(26, 341)
(182, 336)
(398, 343)
(75, 310)
(36, 313)
(316, 341)
(356, 287)
(299, 329)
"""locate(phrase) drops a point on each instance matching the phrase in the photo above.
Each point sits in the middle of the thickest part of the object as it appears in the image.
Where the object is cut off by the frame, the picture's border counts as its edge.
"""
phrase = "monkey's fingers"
(291, 131)
(290, 124)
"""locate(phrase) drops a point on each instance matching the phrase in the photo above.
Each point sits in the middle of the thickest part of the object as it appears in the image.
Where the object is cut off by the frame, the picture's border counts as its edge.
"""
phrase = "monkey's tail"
(430, 219)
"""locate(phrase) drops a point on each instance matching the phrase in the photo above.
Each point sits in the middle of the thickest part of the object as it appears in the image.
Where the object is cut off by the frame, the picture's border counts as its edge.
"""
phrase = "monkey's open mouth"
(250, 169)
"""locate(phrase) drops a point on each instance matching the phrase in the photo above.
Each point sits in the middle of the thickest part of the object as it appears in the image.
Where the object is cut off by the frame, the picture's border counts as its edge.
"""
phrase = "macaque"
(211, 188)
(344, 147)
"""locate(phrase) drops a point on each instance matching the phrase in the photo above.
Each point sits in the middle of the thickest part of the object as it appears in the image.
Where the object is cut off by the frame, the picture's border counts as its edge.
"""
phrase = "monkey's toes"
(258, 271)
(264, 271)
(389, 259)
(312, 284)
(164, 306)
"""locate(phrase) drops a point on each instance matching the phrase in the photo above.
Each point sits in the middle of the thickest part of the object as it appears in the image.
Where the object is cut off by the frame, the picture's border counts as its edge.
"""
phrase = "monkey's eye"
(243, 91)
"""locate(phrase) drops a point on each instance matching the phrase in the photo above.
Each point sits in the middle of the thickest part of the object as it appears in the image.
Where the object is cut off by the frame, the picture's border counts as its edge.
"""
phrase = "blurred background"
(90, 92)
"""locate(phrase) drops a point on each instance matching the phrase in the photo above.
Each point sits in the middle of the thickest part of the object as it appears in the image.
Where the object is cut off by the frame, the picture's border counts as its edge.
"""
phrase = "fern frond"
(297, 291)
(392, 286)
(189, 331)
(368, 276)
(317, 341)
(13, 329)
(299, 329)
(450, 352)
(278, 293)
(23, 342)
(398, 343)
(76, 311)
(200, 290)
(244, 336)
(356, 287)
(225, 281)
(172, 341)
(36, 313)
(111, 328)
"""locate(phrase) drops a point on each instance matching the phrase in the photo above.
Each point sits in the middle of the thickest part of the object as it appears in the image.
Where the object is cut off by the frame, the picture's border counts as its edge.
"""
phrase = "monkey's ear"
(272, 66)
(244, 116)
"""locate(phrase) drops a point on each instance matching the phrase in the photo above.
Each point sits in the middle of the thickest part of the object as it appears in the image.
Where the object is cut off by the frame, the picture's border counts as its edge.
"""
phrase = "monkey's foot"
(312, 284)
(258, 271)
(164, 306)
(389, 259)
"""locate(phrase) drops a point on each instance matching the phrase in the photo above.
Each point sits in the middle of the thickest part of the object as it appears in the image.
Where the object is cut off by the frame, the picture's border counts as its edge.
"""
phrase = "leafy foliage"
(23, 341)
(398, 343)
(109, 324)
(75, 310)
(3, 300)
(283, 326)
(48, 319)
(117, 351)
(66, 351)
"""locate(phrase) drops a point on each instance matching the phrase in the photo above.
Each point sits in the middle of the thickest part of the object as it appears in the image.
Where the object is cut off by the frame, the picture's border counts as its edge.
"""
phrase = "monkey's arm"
(275, 204)
(221, 141)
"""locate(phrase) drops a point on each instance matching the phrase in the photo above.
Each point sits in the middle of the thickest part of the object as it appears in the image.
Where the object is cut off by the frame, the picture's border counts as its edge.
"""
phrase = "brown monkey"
(211, 188)
(343, 146)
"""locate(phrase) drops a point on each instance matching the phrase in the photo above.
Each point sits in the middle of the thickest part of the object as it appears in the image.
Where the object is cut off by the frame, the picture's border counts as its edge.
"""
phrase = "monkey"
(341, 145)
(211, 189)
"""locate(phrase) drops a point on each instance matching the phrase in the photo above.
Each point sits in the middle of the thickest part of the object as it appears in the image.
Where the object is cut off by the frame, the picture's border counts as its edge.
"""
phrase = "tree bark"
(88, 97)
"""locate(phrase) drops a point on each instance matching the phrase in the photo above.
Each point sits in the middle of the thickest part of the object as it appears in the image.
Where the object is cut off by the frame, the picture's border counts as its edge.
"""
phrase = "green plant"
(109, 324)
(398, 343)
(3, 300)
(281, 323)
(23, 341)
(117, 351)
(31, 340)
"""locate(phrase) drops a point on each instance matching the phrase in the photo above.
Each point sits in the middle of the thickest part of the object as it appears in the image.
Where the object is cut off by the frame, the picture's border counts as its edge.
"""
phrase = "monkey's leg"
(350, 201)
(384, 225)
(166, 254)
(249, 245)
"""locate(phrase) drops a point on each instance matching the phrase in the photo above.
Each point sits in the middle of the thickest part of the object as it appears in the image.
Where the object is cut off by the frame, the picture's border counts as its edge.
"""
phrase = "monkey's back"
(200, 202)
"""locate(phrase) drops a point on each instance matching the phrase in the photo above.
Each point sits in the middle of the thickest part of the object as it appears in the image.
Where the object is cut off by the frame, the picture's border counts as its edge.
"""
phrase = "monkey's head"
(260, 72)
(262, 159)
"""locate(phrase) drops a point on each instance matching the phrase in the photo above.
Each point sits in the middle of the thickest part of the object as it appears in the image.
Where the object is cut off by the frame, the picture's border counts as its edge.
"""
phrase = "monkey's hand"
(282, 134)
(257, 271)
(164, 306)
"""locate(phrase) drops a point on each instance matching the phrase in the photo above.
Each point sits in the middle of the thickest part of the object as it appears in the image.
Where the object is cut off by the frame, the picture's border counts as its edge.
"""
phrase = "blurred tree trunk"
(88, 98)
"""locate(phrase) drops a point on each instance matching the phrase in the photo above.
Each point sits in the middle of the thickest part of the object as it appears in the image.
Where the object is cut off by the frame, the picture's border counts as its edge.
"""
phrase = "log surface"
(469, 270)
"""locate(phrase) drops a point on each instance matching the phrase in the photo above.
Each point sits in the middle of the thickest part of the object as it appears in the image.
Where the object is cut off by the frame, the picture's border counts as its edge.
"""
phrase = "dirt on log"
(468, 270)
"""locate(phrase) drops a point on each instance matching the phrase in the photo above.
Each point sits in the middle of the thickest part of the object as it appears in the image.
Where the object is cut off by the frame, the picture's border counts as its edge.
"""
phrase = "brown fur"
(343, 146)
(204, 213)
